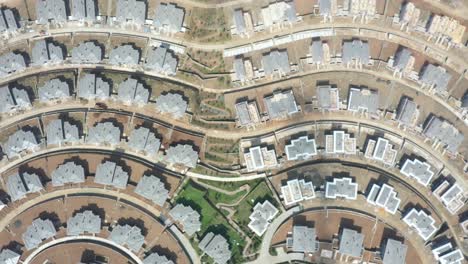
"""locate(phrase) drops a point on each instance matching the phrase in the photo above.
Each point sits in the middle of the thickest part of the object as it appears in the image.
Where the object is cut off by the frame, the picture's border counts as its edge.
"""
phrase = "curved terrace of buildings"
(76, 198)
(451, 62)
(383, 75)
(423, 195)
(436, 206)
(386, 75)
(239, 42)
(371, 225)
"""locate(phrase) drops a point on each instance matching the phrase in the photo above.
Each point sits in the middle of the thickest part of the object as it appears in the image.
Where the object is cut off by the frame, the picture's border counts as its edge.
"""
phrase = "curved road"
(91, 239)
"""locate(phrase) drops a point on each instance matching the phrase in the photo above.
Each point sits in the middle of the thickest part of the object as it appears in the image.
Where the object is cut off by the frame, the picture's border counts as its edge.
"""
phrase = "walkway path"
(231, 210)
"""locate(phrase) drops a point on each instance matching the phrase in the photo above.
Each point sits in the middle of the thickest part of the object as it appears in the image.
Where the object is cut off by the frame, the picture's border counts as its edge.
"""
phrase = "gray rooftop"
(316, 50)
(384, 196)
(281, 104)
(83, 10)
(50, 10)
(402, 57)
(452, 257)
(445, 132)
(155, 258)
(304, 239)
(355, 50)
(133, 91)
(261, 216)
(363, 99)
(172, 103)
(239, 21)
(407, 111)
(68, 173)
(104, 133)
(301, 148)
(423, 223)
(91, 86)
(109, 173)
(343, 187)
(436, 76)
(18, 185)
(87, 52)
(142, 139)
(129, 236)
(45, 51)
(53, 90)
(169, 17)
(85, 222)
(39, 230)
(217, 247)
(11, 62)
(276, 60)
(59, 131)
(351, 243)
(152, 188)
(19, 141)
(325, 7)
(12, 99)
(189, 218)
(125, 54)
(8, 20)
(419, 170)
(183, 155)
(325, 97)
(243, 113)
(290, 12)
(131, 11)
(9, 257)
(395, 252)
(162, 59)
(239, 69)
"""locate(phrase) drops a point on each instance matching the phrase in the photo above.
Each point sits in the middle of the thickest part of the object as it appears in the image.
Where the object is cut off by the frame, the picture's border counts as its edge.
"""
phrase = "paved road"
(90, 239)
(191, 252)
(264, 253)
(226, 179)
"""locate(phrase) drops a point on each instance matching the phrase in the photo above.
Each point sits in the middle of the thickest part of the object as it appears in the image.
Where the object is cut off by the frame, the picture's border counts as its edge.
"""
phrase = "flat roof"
(301, 148)
(343, 188)
(304, 239)
(395, 252)
(261, 216)
(188, 217)
(351, 243)
(281, 104)
(422, 222)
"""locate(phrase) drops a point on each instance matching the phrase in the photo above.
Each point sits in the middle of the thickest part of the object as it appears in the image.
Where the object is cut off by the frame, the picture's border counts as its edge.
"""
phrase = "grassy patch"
(211, 218)
(217, 197)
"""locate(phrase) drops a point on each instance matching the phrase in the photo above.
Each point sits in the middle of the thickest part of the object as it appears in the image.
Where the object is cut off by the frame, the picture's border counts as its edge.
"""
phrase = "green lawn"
(211, 218)
(217, 197)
